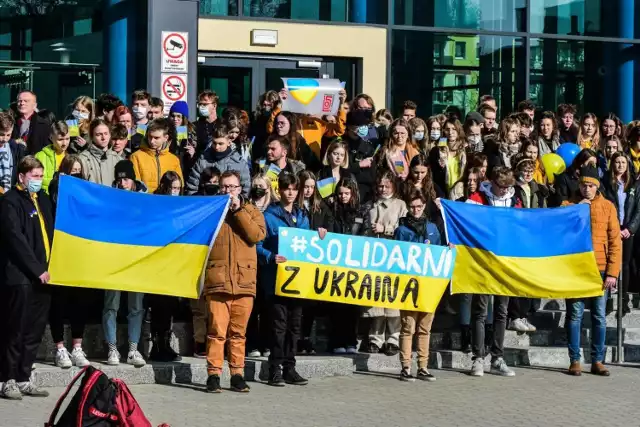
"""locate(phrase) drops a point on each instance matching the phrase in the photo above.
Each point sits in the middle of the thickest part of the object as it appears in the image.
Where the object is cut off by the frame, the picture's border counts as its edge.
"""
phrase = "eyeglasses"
(416, 206)
(230, 187)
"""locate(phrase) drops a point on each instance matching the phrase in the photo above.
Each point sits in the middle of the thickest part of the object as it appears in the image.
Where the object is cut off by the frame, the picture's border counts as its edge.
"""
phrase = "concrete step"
(552, 319)
(560, 304)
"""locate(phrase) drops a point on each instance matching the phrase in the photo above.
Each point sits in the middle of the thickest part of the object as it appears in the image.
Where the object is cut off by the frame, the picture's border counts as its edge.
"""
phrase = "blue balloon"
(568, 151)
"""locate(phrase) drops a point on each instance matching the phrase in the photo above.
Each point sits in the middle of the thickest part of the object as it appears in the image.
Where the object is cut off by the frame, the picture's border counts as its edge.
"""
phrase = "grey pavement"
(535, 397)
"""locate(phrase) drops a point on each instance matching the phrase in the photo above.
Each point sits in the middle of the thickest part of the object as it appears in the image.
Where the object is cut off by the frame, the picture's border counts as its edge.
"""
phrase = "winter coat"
(326, 172)
(38, 137)
(233, 161)
(274, 218)
(631, 205)
(232, 265)
(149, 165)
(566, 186)
(350, 222)
(605, 234)
(537, 195)
(204, 135)
(99, 165)
(568, 135)
(485, 197)
(386, 212)
(48, 159)
(293, 166)
(323, 218)
(23, 257)
(407, 232)
(361, 149)
(18, 151)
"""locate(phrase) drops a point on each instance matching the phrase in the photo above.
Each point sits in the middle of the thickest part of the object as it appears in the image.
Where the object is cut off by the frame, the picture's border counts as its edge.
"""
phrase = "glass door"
(232, 80)
(272, 73)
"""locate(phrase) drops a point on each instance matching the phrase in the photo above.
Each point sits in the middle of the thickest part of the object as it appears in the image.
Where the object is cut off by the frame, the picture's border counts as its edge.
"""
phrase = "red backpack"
(99, 402)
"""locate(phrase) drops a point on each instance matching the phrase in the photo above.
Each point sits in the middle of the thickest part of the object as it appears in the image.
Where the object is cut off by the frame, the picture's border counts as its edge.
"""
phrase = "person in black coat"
(26, 233)
(363, 139)
(320, 218)
(566, 184)
(619, 187)
(16, 151)
(29, 126)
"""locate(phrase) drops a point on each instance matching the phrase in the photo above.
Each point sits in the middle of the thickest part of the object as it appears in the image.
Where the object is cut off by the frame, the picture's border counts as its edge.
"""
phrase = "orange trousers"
(228, 318)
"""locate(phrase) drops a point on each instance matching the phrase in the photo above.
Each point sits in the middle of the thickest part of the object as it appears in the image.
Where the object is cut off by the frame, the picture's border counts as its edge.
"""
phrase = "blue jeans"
(575, 310)
(110, 313)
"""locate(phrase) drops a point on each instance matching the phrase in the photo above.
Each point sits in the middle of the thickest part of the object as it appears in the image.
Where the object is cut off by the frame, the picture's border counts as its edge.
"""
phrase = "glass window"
(500, 15)
(356, 11)
(219, 7)
(452, 80)
(577, 17)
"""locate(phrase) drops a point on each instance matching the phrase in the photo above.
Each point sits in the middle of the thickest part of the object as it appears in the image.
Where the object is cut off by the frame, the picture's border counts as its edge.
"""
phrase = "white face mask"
(203, 110)
(435, 135)
(474, 140)
(80, 115)
(175, 192)
(140, 112)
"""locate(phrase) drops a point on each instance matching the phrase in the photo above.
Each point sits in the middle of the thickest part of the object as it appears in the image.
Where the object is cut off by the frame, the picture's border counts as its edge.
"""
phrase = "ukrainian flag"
(108, 238)
(537, 253)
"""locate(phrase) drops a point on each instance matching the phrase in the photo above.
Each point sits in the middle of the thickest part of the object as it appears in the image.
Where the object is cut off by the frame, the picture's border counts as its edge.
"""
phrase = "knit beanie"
(180, 107)
(589, 174)
(124, 169)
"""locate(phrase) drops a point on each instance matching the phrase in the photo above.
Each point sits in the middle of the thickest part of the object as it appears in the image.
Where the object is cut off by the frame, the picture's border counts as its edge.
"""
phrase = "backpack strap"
(73, 382)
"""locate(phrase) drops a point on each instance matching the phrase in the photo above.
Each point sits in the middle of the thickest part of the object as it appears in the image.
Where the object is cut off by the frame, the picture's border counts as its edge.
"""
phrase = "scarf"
(417, 225)
(635, 158)
(538, 173)
(217, 156)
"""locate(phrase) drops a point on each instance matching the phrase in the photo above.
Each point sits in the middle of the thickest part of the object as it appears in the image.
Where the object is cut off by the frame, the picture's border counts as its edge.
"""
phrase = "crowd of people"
(388, 176)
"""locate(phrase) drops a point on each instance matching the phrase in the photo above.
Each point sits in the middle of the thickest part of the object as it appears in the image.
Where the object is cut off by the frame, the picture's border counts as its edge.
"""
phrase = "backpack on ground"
(99, 402)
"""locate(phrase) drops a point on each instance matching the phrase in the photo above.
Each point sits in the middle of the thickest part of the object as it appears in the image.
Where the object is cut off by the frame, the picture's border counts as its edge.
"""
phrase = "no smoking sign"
(174, 88)
(175, 51)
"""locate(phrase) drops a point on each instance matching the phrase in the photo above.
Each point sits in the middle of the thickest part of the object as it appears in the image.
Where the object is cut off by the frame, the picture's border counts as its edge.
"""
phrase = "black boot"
(162, 351)
(465, 338)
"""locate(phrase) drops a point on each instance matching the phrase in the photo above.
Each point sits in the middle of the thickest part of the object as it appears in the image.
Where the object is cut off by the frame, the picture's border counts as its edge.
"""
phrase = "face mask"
(474, 140)
(363, 131)
(258, 193)
(435, 135)
(266, 111)
(386, 197)
(34, 185)
(175, 192)
(140, 112)
(203, 110)
(80, 116)
(76, 175)
(418, 136)
(211, 189)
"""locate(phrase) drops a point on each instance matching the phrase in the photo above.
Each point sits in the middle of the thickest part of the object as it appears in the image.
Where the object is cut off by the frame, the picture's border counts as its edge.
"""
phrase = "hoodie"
(487, 198)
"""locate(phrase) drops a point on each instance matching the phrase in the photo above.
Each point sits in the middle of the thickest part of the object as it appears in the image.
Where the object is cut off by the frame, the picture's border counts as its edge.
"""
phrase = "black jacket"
(566, 186)
(631, 205)
(325, 172)
(204, 135)
(22, 253)
(321, 219)
(38, 137)
(349, 222)
(360, 149)
(18, 151)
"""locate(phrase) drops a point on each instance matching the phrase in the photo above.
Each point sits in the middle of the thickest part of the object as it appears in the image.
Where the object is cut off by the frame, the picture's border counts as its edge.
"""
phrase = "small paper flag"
(377, 149)
(182, 132)
(141, 129)
(74, 130)
(272, 174)
(399, 166)
(131, 133)
(326, 187)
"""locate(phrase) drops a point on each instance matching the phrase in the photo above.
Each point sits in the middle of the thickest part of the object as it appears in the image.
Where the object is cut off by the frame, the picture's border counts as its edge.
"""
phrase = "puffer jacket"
(48, 159)
(232, 265)
(605, 234)
(149, 165)
(631, 205)
(98, 165)
(233, 161)
(274, 218)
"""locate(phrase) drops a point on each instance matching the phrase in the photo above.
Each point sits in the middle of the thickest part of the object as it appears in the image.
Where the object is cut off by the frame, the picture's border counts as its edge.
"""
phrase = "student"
(547, 134)
(568, 129)
(490, 127)
(51, 156)
(11, 154)
(383, 120)
(185, 148)
(607, 245)
(209, 184)
(363, 140)
(419, 137)
(262, 192)
(417, 228)
(420, 179)
(98, 160)
(611, 145)
(320, 218)
(285, 124)
(156, 108)
(498, 192)
(106, 105)
(566, 184)
(473, 125)
(507, 145)
(619, 188)
(434, 127)
(278, 149)
(120, 141)
(70, 165)
(140, 103)
(336, 163)
(526, 126)
(448, 161)
(633, 148)
(399, 150)
(26, 234)
(529, 150)
(527, 107)
(285, 313)
(154, 159)
(612, 126)
(409, 109)
(83, 112)
(382, 221)
(238, 136)
(478, 160)
(349, 219)
(268, 107)
(207, 120)
(589, 132)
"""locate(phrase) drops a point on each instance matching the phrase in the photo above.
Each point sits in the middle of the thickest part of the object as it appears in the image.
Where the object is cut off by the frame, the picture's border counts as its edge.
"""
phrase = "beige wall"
(368, 43)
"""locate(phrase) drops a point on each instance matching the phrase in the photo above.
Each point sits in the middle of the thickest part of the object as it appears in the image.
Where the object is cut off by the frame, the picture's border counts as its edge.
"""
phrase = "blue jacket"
(274, 218)
(406, 232)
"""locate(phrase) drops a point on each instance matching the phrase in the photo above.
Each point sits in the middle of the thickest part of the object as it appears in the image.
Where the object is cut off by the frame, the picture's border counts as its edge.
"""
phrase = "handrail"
(62, 64)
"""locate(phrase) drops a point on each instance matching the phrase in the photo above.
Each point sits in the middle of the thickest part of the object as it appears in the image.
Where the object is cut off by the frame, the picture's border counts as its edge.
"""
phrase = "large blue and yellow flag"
(537, 253)
(107, 238)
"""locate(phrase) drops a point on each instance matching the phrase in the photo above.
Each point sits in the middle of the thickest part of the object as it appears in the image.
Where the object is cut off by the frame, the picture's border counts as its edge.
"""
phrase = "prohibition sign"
(174, 88)
(179, 44)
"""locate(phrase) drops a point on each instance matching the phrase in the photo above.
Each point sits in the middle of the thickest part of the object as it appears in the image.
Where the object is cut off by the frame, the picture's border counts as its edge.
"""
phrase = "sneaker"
(518, 325)
(499, 367)
(254, 353)
(213, 384)
(135, 358)
(477, 368)
(78, 357)
(266, 353)
(291, 376)
(238, 384)
(405, 375)
(114, 358)
(11, 391)
(352, 350)
(200, 350)
(374, 349)
(425, 375)
(62, 358)
(391, 350)
(339, 350)
(528, 324)
(275, 378)
(305, 346)
(30, 389)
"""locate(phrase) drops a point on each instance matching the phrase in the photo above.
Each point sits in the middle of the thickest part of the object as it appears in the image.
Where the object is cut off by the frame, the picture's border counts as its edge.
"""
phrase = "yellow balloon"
(553, 165)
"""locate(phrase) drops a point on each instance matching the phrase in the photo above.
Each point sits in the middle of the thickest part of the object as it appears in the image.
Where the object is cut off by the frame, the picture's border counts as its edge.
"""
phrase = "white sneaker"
(531, 327)
(11, 391)
(477, 368)
(352, 350)
(499, 367)
(79, 358)
(255, 353)
(518, 325)
(62, 358)
(114, 358)
(135, 358)
(339, 350)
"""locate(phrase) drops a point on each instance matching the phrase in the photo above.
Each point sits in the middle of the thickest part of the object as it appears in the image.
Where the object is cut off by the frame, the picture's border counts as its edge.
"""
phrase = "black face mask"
(258, 193)
(76, 175)
(211, 189)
